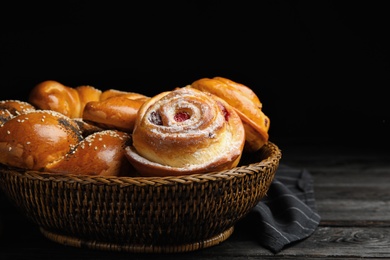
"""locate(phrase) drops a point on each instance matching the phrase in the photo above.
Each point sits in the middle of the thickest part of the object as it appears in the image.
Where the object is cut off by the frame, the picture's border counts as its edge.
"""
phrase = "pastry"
(11, 108)
(101, 153)
(114, 112)
(110, 109)
(185, 131)
(33, 139)
(48, 141)
(52, 95)
(247, 105)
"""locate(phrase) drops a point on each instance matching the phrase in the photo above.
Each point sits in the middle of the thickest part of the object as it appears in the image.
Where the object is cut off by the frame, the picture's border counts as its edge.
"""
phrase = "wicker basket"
(142, 214)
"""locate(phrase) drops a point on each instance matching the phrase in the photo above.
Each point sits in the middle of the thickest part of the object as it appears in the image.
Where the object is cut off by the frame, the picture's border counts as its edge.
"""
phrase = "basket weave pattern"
(142, 211)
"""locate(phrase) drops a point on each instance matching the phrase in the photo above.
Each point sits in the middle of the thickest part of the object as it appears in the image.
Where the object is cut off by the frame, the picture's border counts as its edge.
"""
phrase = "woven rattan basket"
(142, 214)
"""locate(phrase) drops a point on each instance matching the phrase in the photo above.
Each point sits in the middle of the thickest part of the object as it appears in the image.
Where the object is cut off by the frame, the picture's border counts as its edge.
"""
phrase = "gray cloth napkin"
(288, 212)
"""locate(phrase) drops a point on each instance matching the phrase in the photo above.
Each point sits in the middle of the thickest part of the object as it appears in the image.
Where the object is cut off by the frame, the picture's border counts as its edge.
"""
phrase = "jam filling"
(225, 113)
(155, 117)
(181, 116)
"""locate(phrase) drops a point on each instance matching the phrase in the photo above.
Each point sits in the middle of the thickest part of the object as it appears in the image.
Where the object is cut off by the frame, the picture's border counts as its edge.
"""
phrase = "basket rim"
(241, 170)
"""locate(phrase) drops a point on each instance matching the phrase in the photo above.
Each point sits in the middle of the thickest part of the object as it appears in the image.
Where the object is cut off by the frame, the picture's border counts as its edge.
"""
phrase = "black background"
(320, 68)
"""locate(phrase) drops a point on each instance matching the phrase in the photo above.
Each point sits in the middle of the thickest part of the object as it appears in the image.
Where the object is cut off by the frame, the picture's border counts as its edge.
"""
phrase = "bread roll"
(245, 102)
(33, 139)
(110, 109)
(86, 94)
(11, 108)
(52, 95)
(115, 112)
(101, 153)
(185, 131)
(130, 95)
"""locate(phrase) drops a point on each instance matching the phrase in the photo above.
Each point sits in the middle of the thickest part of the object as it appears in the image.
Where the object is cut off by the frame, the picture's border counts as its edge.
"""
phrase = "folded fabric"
(288, 212)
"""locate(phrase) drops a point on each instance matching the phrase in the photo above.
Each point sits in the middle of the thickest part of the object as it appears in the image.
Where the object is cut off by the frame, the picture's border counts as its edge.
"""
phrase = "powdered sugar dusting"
(203, 139)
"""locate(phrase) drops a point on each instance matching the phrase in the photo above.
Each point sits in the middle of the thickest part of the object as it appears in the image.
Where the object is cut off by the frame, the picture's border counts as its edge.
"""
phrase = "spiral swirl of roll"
(186, 131)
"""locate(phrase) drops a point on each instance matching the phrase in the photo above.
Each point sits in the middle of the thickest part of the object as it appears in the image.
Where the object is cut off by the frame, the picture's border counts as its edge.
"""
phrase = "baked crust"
(185, 131)
(245, 102)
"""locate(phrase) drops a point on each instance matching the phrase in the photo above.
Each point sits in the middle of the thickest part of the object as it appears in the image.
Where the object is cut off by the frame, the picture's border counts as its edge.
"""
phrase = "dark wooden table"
(352, 189)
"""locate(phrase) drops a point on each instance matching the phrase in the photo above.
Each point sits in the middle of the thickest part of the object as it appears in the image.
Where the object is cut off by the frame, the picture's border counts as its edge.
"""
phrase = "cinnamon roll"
(185, 131)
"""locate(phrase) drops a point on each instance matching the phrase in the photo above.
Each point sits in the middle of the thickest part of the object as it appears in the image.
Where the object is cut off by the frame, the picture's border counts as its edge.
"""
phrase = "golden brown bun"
(185, 131)
(247, 105)
(52, 95)
(36, 138)
(87, 94)
(101, 153)
(244, 90)
(115, 110)
(11, 108)
(130, 95)
(46, 140)
(111, 109)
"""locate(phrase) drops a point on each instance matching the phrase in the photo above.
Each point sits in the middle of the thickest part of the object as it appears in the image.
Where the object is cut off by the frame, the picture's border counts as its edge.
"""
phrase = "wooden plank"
(332, 157)
(345, 242)
(352, 192)
(325, 242)
(353, 206)
(343, 196)
(358, 211)
(353, 177)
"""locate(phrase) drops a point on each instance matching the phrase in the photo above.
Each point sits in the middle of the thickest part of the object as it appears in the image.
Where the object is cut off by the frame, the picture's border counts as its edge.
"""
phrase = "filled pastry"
(185, 131)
